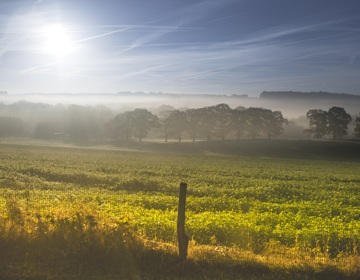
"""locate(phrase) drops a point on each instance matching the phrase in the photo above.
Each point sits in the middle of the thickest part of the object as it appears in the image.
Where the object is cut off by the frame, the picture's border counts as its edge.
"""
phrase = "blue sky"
(173, 46)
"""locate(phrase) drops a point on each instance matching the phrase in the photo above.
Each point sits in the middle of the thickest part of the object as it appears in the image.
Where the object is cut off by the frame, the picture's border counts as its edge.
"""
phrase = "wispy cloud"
(39, 68)
(150, 54)
(104, 34)
(155, 34)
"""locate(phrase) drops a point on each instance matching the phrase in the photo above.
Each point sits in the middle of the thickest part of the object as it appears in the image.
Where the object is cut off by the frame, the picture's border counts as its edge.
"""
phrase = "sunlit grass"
(84, 212)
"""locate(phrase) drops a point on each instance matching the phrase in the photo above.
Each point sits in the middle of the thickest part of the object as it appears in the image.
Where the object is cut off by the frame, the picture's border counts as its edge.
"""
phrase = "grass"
(68, 213)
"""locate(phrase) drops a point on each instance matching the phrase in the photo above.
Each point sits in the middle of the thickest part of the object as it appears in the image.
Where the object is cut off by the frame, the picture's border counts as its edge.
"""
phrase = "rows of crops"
(313, 206)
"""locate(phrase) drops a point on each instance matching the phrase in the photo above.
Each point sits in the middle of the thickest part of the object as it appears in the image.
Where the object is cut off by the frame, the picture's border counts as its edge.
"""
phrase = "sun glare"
(56, 40)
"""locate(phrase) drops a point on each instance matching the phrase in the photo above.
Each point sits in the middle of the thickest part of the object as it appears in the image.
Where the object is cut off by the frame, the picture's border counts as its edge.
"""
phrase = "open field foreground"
(68, 213)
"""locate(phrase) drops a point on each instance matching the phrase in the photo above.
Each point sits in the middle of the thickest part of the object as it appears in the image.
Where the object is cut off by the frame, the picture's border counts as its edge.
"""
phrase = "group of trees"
(81, 124)
(222, 122)
(333, 122)
(214, 122)
(136, 123)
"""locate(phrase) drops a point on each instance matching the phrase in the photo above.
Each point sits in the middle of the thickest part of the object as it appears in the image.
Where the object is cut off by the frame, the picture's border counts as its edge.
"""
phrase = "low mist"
(84, 118)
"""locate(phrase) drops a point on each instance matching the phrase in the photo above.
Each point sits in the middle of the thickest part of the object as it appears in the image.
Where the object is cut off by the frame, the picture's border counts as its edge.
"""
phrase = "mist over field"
(291, 104)
(192, 139)
(58, 116)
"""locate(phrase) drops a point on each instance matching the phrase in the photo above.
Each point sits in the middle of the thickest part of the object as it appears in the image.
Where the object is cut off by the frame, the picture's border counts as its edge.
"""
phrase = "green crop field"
(67, 203)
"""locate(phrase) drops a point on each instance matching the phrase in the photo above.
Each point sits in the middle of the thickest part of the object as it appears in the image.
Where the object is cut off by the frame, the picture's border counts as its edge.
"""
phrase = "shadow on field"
(296, 149)
(79, 246)
(274, 148)
(154, 265)
(27, 260)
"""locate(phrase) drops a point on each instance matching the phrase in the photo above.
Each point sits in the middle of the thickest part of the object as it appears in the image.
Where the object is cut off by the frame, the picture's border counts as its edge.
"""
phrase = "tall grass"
(84, 214)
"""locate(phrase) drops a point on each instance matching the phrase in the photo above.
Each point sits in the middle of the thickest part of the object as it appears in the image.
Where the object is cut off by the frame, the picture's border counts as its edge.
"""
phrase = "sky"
(179, 46)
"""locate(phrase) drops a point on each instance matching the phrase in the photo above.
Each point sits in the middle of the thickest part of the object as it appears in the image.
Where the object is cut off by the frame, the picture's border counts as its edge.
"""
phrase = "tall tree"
(179, 122)
(207, 122)
(274, 122)
(136, 123)
(338, 121)
(239, 121)
(255, 121)
(357, 126)
(165, 124)
(222, 114)
(142, 121)
(194, 119)
(318, 122)
(173, 123)
(120, 126)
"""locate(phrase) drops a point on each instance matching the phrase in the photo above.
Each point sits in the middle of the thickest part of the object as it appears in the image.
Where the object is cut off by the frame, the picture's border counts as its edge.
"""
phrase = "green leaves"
(232, 201)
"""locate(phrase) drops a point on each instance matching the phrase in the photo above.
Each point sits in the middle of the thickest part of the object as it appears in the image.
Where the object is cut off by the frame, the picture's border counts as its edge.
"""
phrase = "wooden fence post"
(183, 239)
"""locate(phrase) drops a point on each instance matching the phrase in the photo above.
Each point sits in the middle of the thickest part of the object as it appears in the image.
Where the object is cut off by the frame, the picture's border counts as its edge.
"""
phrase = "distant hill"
(320, 95)
(291, 103)
(179, 95)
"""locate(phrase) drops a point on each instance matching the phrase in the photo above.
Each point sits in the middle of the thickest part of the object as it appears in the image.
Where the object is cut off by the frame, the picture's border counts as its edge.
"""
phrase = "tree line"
(220, 122)
(333, 122)
(208, 123)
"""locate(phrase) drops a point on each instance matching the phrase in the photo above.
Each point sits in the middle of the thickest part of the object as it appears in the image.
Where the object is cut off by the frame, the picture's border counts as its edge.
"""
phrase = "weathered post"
(183, 239)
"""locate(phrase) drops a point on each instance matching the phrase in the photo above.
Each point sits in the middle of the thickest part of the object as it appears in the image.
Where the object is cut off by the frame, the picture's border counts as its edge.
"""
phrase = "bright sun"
(57, 40)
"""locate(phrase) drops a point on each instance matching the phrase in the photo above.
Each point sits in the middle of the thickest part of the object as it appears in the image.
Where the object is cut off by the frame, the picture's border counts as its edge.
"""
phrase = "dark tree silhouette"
(136, 123)
(255, 121)
(165, 124)
(335, 122)
(173, 123)
(179, 122)
(338, 121)
(120, 126)
(357, 126)
(239, 121)
(274, 122)
(141, 122)
(222, 115)
(194, 119)
(207, 122)
(317, 123)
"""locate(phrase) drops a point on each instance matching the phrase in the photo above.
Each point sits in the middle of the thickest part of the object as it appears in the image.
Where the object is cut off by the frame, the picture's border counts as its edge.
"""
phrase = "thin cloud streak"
(122, 28)
(39, 68)
(203, 45)
(102, 35)
(266, 36)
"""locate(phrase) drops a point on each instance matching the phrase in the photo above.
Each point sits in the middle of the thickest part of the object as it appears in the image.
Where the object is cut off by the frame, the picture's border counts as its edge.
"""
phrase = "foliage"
(357, 126)
(214, 122)
(338, 122)
(317, 122)
(136, 123)
(142, 121)
(222, 115)
(194, 123)
(239, 121)
(165, 124)
(335, 121)
(220, 122)
(233, 201)
(274, 122)
(173, 123)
